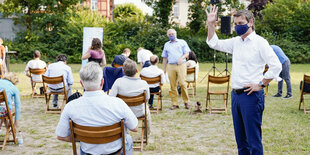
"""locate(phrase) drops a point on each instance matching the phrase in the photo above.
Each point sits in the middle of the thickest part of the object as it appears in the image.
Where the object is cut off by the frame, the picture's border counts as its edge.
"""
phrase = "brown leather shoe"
(187, 106)
(174, 107)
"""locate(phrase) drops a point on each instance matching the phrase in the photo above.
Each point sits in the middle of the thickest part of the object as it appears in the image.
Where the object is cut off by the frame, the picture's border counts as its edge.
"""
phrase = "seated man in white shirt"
(36, 63)
(153, 71)
(57, 69)
(144, 57)
(129, 85)
(96, 109)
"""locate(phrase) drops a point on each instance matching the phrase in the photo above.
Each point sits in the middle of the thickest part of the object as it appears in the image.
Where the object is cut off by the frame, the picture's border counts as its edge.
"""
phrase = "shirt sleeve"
(114, 89)
(139, 56)
(221, 45)
(271, 60)
(164, 54)
(63, 127)
(186, 49)
(130, 119)
(26, 68)
(70, 77)
(162, 75)
(17, 103)
(147, 90)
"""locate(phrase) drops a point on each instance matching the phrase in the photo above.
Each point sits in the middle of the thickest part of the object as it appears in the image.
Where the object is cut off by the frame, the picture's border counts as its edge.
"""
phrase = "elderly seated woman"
(8, 84)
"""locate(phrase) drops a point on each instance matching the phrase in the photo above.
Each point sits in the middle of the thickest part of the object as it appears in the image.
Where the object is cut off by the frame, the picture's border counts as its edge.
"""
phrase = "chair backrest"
(307, 78)
(117, 65)
(4, 99)
(152, 80)
(218, 80)
(53, 80)
(97, 135)
(37, 71)
(191, 70)
(134, 100)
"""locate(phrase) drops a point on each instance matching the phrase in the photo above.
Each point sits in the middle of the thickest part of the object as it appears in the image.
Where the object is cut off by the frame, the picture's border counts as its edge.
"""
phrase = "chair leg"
(158, 100)
(194, 89)
(33, 86)
(301, 99)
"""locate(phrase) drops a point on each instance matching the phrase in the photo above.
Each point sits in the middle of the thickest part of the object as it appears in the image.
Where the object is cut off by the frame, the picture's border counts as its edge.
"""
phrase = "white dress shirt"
(57, 69)
(35, 64)
(249, 57)
(153, 71)
(144, 55)
(95, 109)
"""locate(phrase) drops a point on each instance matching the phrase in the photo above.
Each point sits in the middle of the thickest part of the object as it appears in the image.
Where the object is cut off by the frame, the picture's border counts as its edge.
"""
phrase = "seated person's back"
(96, 109)
(120, 59)
(36, 63)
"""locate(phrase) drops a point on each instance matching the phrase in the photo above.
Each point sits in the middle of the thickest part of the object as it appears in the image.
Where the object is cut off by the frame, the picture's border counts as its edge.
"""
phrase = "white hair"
(173, 31)
(91, 75)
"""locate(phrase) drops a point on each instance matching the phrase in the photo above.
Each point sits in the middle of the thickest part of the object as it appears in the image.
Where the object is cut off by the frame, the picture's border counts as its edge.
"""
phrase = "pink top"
(96, 54)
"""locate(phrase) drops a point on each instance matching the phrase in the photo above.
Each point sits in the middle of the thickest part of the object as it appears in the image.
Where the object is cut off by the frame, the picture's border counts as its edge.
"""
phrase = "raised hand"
(212, 15)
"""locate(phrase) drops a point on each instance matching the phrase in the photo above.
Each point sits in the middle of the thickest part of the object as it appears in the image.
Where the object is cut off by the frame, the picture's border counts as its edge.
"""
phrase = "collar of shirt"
(132, 78)
(176, 40)
(251, 36)
(94, 93)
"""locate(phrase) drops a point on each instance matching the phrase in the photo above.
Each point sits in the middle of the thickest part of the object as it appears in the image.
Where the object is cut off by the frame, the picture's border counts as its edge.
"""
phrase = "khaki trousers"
(177, 73)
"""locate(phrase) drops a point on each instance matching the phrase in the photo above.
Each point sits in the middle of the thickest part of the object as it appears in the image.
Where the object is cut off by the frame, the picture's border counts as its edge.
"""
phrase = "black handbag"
(306, 87)
(74, 96)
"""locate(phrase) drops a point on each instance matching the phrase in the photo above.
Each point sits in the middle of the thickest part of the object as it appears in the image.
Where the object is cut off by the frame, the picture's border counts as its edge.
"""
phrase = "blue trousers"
(247, 112)
(285, 75)
(153, 90)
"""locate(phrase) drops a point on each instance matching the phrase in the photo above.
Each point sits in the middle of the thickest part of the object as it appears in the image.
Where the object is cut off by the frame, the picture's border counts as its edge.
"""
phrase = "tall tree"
(162, 10)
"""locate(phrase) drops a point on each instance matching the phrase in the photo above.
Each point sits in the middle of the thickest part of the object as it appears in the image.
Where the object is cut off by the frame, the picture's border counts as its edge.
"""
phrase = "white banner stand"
(88, 34)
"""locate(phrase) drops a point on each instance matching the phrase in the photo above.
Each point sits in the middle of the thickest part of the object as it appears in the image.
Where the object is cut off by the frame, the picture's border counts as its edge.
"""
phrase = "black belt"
(239, 91)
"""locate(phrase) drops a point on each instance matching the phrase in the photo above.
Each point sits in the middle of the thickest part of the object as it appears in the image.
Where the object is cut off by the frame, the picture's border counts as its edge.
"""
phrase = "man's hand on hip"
(252, 88)
(180, 61)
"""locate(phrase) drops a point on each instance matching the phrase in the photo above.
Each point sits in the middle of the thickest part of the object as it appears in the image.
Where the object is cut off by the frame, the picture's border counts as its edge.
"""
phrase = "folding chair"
(33, 83)
(191, 85)
(117, 65)
(224, 92)
(155, 80)
(97, 135)
(135, 101)
(48, 92)
(266, 88)
(302, 93)
(10, 125)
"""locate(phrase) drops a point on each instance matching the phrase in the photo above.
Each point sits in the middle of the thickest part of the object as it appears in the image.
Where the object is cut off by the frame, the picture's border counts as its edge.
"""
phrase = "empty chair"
(212, 91)
(305, 81)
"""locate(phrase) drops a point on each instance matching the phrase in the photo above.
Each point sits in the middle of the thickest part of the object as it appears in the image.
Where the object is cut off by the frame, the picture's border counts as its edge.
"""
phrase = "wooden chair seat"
(48, 92)
(302, 94)
(135, 101)
(34, 83)
(8, 118)
(210, 91)
(155, 80)
(97, 135)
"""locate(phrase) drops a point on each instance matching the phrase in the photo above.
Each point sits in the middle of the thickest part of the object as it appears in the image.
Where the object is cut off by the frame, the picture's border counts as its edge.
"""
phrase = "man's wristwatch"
(261, 84)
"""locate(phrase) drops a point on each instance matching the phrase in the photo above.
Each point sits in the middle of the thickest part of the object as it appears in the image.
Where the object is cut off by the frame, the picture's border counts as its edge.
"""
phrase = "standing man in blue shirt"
(285, 73)
(175, 53)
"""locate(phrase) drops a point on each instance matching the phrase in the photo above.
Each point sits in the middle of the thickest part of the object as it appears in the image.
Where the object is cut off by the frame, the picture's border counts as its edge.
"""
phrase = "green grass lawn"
(285, 129)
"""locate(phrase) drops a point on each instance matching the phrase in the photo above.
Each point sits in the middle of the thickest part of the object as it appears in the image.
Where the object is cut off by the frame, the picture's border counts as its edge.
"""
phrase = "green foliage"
(129, 12)
(162, 10)
(197, 15)
(288, 18)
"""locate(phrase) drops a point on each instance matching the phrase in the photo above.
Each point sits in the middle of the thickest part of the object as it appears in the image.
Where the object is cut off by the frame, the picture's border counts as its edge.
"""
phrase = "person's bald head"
(154, 59)
(36, 54)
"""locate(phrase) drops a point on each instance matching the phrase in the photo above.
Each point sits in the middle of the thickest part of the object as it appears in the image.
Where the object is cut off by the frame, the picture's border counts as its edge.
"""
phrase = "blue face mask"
(172, 37)
(241, 29)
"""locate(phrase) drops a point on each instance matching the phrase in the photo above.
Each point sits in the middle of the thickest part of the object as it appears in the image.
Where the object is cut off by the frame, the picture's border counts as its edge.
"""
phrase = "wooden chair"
(266, 88)
(191, 85)
(135, 101)
(217, 80)
(10, 125)
(33, 83)
(302, 93)
(97, 135)
(48, 92)
(155, 80)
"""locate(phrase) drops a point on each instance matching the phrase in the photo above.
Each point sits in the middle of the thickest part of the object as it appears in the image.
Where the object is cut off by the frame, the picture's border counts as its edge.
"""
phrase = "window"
(176, 10)
(94, 5)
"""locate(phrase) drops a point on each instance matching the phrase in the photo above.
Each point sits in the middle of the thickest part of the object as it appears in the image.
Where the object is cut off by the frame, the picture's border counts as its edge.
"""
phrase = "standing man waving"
(175, 53)
(250, 52)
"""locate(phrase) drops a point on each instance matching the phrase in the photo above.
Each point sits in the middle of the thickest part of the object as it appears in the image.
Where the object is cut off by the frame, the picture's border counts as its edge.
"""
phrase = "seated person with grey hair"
(60, 68)
(129, 85)
(96, 109)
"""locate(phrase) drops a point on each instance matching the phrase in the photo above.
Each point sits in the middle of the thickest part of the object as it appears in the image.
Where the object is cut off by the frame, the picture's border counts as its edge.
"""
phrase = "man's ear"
(251, 22)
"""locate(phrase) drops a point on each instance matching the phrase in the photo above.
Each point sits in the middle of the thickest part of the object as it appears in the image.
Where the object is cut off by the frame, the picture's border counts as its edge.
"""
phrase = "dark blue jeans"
(153, 90)
(146, 64)
(285, 75)
(247, 112)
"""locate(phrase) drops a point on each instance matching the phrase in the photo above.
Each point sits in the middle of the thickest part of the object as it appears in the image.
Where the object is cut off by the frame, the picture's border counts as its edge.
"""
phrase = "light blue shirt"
(57, 69)
(95, 109)
(11, 91)
(175, 50)
(280, 54)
